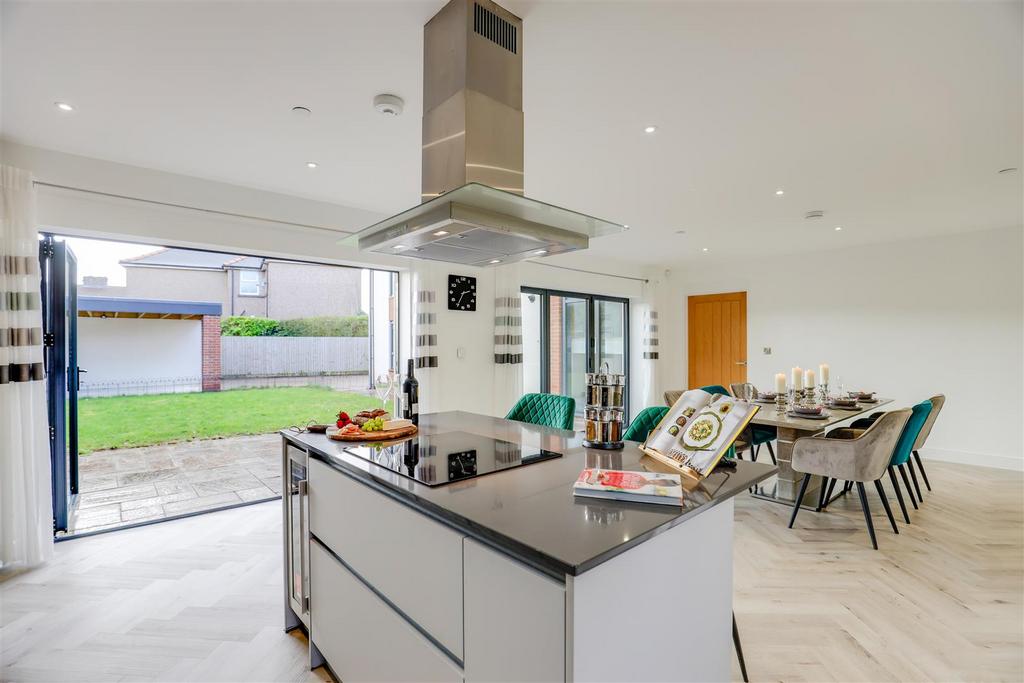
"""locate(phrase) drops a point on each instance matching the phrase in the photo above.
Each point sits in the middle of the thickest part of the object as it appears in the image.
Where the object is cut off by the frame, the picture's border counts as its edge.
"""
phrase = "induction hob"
(440, 459)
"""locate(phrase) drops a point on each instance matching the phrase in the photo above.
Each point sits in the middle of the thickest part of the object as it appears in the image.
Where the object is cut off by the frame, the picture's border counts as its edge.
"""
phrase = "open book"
(697, 431)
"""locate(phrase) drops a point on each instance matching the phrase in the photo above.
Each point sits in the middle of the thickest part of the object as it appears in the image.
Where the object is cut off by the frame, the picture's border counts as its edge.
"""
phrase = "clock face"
(461, 293)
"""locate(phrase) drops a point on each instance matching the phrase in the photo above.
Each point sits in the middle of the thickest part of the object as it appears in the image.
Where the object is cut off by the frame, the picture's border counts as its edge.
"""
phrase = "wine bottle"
(411, 396)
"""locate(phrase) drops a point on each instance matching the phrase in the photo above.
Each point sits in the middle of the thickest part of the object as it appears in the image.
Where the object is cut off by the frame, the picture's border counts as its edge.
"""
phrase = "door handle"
(741, 362)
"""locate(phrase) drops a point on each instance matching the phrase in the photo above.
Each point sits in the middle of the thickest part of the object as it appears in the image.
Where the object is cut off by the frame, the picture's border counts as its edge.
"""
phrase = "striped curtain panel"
(425, 334)
(645, 383)
(26, 513)
(508, 338)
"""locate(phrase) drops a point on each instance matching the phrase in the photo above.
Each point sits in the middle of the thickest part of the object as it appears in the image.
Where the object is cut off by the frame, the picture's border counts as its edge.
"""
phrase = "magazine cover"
(647, 487)
(697, 431)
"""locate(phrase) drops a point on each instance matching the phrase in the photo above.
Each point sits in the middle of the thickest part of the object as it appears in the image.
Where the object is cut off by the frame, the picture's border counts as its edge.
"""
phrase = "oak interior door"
(717, 339)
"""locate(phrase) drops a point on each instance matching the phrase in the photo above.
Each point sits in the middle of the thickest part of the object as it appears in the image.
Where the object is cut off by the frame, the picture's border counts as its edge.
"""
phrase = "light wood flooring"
(199, 599)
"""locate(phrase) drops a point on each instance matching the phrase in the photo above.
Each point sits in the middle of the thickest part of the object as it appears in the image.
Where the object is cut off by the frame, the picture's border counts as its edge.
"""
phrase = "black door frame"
(545, 345)
(59, 298)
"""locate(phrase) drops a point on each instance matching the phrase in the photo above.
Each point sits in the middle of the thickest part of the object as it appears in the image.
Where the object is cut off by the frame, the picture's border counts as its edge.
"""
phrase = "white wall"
(907, 319)
(137, 350)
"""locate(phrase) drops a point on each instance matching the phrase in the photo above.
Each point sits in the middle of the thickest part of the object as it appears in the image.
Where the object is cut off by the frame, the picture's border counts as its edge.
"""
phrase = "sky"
(100, 257)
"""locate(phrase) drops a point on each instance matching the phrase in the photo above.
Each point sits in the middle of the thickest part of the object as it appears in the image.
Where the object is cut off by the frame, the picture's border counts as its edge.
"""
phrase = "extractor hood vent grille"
(495, 29)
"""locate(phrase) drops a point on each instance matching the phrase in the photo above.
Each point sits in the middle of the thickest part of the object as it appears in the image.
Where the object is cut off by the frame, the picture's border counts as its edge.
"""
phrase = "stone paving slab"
(131, 485)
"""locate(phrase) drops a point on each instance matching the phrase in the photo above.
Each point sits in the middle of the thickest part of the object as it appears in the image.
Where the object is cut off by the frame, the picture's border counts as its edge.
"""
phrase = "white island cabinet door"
(413, 561)
(515, 620)
(361, 637)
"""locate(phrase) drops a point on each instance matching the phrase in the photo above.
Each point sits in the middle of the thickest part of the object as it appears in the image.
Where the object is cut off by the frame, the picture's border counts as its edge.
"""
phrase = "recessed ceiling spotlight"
(779, 193)
(311, 164)
(63, 106)
(1011, 169)
(496, 260)
(626, 226)
(301, 111)
(650, 129)
(399, 247)
(540, 252)
(440, 233)
(838, 228)
(704, 249)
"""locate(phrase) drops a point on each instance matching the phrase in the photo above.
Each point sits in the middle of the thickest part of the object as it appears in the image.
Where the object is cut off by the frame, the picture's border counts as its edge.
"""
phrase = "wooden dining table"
(783, 487)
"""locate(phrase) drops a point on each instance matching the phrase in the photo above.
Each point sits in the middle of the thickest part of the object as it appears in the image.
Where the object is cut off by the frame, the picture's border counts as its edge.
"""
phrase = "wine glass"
(384, 386)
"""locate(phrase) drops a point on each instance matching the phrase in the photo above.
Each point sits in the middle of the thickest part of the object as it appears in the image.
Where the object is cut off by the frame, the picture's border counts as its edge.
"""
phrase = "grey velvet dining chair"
(938, 401)
(851, 455)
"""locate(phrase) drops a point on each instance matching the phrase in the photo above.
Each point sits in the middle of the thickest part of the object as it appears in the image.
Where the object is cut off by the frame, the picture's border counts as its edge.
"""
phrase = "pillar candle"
(809, 379)
(796, 378)
(823, 373)
(780, 383)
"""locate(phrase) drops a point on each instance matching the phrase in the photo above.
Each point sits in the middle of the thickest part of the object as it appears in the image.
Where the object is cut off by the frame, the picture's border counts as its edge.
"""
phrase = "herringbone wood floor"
(199, 599)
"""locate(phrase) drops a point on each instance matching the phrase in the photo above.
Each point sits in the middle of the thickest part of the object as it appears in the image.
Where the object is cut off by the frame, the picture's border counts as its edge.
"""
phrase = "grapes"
(375, 424)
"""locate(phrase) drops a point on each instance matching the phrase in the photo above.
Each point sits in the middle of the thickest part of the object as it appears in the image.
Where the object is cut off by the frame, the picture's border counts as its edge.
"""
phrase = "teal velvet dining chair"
(754, 436)
(548, 410)
(643, 423)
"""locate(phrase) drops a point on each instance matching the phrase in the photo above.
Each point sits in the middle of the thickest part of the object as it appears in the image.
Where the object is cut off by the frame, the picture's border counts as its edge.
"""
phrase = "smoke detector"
(389, 105)
(817, 213)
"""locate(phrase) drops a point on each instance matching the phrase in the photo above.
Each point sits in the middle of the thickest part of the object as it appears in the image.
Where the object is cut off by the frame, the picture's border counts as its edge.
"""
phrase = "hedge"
(321, 326)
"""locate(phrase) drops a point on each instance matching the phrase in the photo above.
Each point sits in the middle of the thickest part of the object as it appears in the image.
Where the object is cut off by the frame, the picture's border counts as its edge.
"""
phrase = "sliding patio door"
(568, 334)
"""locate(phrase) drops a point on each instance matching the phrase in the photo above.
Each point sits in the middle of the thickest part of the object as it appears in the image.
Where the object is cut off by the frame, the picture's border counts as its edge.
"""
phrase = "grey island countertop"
(529, 512)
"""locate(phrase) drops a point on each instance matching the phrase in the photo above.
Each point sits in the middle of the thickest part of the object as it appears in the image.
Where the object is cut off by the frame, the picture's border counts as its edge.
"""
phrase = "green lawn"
(128, 421)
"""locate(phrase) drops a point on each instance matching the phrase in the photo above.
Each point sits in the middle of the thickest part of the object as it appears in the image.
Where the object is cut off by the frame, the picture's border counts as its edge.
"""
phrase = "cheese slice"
(396, 423)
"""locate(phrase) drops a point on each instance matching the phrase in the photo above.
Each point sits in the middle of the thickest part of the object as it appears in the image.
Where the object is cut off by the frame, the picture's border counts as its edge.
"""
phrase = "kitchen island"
(507, 575)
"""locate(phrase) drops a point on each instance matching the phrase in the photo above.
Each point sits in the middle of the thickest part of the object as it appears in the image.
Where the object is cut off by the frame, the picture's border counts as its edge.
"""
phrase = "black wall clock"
(461, 293)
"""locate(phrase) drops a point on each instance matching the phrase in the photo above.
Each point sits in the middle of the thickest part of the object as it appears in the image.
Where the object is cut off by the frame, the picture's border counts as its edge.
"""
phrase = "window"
(249, 283)
(566, 335)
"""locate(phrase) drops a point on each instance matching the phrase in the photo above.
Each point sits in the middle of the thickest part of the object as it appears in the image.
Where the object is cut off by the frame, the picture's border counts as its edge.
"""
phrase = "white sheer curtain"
(26, 511)
(508, 337)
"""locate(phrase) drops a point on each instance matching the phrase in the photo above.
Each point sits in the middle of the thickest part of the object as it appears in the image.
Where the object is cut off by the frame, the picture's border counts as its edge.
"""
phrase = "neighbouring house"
(243, 285)
(141, 346)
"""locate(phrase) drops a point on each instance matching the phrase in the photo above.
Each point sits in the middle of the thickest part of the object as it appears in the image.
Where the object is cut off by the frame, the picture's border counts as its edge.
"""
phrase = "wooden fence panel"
(293, 356)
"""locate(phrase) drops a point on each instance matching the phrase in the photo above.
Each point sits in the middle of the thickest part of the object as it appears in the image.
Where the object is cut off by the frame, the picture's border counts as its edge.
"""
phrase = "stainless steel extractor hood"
(473, 211)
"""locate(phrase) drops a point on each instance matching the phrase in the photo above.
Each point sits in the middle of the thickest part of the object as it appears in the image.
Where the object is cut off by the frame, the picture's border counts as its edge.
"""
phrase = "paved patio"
(131, 485)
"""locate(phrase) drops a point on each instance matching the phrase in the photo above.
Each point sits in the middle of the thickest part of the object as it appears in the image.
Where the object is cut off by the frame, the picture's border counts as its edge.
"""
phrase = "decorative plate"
(702, 431)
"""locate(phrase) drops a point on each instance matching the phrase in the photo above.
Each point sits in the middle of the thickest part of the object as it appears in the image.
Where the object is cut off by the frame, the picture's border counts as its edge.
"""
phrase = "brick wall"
(211, 353)
(555, 345)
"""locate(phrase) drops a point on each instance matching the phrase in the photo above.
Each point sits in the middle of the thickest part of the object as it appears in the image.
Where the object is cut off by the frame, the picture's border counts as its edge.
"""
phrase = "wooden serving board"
(387, 435)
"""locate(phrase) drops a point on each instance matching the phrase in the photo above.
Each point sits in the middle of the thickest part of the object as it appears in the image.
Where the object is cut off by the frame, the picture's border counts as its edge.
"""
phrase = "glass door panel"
(610, 335)
(532, 307)
(570, 356)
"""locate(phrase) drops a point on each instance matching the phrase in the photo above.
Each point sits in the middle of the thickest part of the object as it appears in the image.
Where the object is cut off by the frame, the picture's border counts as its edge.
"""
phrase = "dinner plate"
(823, 416)
(833, 406)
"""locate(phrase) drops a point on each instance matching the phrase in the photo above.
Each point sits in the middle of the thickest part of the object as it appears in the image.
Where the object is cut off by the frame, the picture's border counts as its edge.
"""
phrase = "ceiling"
(892, 118)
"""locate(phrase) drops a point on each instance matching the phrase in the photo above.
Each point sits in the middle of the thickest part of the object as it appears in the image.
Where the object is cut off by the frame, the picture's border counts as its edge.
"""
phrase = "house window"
(249, 282)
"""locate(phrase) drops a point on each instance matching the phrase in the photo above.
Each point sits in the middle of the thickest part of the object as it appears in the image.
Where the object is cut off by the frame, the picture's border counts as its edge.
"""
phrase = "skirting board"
(1002, 462)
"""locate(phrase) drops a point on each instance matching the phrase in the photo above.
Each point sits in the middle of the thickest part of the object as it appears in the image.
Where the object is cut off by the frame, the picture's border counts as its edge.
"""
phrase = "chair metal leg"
(847, 487)
(913, 477)
(906, 483)
(899, 494)
(799, 497)
(771, 452)
(739, 649)
(822, 494)
(924, 475)
(754, 451)
(867, 514)
(828, 494)
(885, 504)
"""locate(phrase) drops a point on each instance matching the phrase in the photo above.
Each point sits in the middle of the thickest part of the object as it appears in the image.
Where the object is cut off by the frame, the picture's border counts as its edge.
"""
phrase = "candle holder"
(780, 402)
(823, 390)
(808, 396)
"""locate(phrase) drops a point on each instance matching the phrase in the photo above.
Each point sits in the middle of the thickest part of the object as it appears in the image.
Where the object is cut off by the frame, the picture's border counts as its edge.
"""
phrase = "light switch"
(767, 350)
